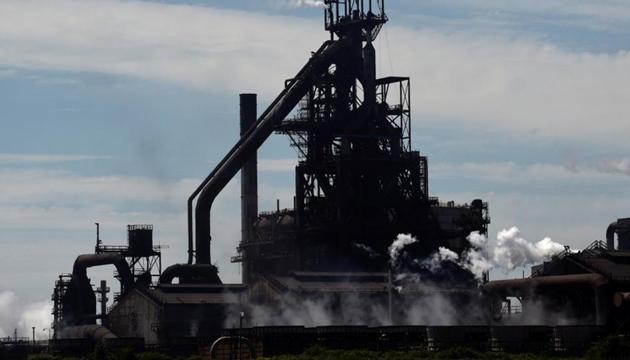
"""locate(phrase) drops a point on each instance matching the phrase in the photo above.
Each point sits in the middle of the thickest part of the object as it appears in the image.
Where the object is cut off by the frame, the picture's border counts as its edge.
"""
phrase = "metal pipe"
(191, 274)
(257, 135)
(79, 270)
(191, 250)
(249, 180)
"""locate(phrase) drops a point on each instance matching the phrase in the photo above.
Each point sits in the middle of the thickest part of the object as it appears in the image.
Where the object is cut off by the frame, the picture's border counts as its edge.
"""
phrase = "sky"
(113, 111)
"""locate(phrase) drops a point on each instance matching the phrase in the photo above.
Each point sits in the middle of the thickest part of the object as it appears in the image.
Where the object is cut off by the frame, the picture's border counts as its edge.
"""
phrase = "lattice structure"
(61, 285)
(144, 258)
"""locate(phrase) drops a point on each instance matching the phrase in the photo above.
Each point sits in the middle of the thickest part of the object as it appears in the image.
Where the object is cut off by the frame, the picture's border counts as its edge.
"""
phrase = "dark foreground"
(609, 348)
(612, 347)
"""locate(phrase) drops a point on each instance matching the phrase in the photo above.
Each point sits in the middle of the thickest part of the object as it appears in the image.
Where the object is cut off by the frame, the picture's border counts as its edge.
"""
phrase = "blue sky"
(114, 110)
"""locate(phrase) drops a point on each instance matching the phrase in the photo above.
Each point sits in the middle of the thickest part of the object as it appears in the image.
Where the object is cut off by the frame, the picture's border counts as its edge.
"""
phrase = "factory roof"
(196, 298)
(194, 295)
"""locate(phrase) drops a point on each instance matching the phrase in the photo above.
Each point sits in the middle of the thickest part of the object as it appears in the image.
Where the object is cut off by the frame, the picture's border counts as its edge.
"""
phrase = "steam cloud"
(507, 253)
(432, 308)
(308, 3)
(14, 314)
(397, 247)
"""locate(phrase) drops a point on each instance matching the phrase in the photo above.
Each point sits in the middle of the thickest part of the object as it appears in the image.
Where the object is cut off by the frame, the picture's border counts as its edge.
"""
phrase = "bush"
(612, 347)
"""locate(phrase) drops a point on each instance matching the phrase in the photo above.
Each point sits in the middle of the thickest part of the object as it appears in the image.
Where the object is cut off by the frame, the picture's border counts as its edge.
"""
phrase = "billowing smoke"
(15, 314)
(508, 252)
(418, 299)
(396, 249)
(308, 3)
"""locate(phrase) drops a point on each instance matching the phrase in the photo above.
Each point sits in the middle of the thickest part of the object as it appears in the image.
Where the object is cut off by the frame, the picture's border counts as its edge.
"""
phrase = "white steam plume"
(15, 314)
(396, 248)
(307, 3)
(508, 252)
(443, 254)
(512, 251)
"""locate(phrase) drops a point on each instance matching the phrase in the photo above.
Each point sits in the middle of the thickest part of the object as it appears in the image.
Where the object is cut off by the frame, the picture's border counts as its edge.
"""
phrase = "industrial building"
(358, 185)
(588, 287)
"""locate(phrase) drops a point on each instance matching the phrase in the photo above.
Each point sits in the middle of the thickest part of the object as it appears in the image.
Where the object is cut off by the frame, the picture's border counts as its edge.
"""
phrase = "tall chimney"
(249, 185)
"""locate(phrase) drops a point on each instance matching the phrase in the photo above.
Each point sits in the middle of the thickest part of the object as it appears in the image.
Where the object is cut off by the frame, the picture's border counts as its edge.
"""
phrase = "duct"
(253, 139)
(86, 261)
(79, 301)
(191, 274)
(249, 179)
(94, 332)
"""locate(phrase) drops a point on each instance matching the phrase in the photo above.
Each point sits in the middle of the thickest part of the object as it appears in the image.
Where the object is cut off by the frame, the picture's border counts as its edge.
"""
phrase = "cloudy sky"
(112, 111)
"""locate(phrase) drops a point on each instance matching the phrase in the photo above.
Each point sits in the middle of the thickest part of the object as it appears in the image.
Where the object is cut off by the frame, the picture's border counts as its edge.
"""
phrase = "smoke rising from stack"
(15, 314)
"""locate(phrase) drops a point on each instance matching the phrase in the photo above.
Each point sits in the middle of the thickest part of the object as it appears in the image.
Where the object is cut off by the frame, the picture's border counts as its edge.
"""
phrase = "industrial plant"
(346, 265)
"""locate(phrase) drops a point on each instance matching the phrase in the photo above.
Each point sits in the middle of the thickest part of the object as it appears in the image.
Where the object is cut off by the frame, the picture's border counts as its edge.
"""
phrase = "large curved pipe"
(191, 250)
(191, 273)
(79, 270)
(610, 235)
(254, 138)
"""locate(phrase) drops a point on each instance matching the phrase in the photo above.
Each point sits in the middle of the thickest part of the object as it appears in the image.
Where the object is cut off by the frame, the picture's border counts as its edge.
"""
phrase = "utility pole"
(33, 335)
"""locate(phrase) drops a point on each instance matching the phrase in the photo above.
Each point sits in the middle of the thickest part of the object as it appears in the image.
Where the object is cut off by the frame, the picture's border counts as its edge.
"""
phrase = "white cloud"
(605, 10)
(616, 166)
(63, 206)
(523, 86)
(196, 46)
(306, 3)
(6, 158)
(36, 186)
(516, 174)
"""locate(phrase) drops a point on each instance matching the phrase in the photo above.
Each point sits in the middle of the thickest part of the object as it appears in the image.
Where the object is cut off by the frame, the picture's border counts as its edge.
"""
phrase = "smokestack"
(249, 183)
